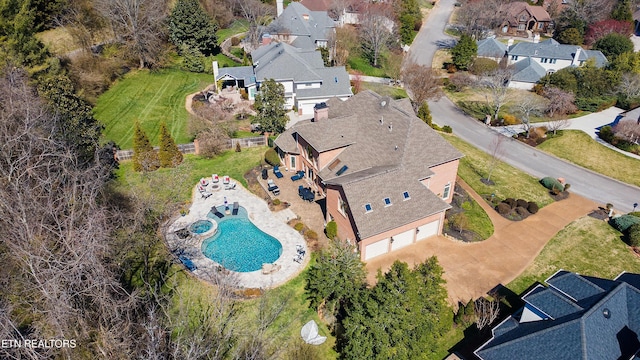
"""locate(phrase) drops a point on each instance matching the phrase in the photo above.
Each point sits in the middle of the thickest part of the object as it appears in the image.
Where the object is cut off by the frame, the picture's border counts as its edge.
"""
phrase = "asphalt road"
(583, 182)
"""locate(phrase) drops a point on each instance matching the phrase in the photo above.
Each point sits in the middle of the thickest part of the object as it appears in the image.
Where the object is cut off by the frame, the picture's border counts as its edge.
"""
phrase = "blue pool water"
(239, 245)
(201, 226)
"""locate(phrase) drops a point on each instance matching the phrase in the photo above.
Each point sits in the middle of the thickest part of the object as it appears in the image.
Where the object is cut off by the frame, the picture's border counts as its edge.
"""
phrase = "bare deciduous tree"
(486, 311)
(373, 29)
(497, 85)
(476, 17)
(560, 102)
(628, 130)
(345, 43)
(526, 107)
(630, 85)
(257, 15)
(422, 83)
(558, 125)
(497, 152)
(139, 24)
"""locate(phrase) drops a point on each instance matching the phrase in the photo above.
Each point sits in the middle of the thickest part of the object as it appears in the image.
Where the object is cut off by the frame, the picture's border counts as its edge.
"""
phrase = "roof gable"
(491, 47)
(309, 26)
(527, 70)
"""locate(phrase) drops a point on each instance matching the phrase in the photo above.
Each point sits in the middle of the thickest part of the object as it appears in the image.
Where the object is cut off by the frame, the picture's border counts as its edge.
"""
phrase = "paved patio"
(473, 269)
(274, 224)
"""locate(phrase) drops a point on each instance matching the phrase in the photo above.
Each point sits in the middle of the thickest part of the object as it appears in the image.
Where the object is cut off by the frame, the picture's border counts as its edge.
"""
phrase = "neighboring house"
(301, 27)
(350, 15)
(387, 177)
(533, 60)
(574, 317)
(306, 80)
(522, 17)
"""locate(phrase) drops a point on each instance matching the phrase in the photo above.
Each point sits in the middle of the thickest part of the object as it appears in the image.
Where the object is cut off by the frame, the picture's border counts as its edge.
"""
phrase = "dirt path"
(473, 269)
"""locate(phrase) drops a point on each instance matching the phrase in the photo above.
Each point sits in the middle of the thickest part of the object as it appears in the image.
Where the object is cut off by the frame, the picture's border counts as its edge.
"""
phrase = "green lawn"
(361, 64)
(148, 97)
(587, 246)
(509, 181)
(479, 221)
(181, 180)
(237, 27)
(579, 148)
(385, 90)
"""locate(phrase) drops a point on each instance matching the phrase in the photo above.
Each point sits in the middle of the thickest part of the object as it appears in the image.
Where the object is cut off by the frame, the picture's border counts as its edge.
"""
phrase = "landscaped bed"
(467, 220)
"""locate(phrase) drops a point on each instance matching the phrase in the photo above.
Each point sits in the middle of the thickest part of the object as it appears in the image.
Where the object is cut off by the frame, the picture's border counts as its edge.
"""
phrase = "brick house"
(522, 17)
(386, 176)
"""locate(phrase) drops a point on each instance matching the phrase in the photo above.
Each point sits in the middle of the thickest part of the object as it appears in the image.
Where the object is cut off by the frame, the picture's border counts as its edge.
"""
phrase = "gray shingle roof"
(527, 70)
(335, 82)
(238, 72)
(282, 61)
(491, 47)
(607, 329)
(309, 26)
(383, 159)
(552, 49)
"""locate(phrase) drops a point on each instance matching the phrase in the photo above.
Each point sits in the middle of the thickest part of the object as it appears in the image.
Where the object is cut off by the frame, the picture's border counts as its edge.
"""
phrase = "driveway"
(473, 269)
(431, 35)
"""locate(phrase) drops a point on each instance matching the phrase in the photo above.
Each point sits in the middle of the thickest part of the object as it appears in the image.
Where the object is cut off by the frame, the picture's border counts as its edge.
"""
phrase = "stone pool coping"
(274, 224)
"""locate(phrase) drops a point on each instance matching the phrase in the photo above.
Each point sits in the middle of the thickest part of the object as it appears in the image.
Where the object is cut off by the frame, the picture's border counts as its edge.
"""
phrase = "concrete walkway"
(473, 269)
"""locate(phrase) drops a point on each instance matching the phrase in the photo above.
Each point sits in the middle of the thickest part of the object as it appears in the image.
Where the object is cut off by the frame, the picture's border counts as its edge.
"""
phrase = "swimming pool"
(239, 245)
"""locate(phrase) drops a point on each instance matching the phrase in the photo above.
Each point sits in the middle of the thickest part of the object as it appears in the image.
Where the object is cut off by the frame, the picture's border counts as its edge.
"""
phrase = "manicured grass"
(385, 90)
(509, 181)
(479, 221)
(244, 134)
(223, 61)
(579, 148)
(587, 246)
(237, 27)
(148, 98)
(177, 184)
(363, 65)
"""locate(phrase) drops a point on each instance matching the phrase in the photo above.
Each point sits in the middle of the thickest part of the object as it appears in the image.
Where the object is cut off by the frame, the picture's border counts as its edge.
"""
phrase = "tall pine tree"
(190, 25)
(169, 154)
(145, 158)
(464, 52)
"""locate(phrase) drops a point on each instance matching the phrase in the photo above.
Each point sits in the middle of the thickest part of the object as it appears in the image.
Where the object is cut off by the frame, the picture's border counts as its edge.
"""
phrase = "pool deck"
(274, 224)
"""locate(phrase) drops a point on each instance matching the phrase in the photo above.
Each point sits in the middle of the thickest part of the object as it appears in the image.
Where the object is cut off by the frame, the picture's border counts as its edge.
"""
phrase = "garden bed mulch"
(460, 196)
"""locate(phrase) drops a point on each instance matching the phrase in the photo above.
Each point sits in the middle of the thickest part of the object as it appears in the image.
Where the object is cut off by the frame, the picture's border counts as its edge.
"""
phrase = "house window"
(387, 202)
(540, 25)
(553, 61)
(292, 161)
(447, 190)
(342, 206)
(405, 195)
(544, 60)
(521, 27)
(367, 208)
(514, 57)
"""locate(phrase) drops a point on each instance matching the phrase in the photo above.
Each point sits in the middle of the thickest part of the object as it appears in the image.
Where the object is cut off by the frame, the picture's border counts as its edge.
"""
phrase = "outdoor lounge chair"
(204, 182)
(276, 172)
(230, 186)
(299, 175)
(187, 263)
(273, 187)
(215, 178)
(235, 208)
(217, 213)
(205, 194)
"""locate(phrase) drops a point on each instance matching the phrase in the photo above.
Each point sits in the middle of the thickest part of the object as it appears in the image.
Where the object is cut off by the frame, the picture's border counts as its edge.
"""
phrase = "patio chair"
(230, 186)
(215, 178)
(299, 175)
(300, 190)
(298, 258)
(204, 182)
(226, 179)
(205, 194)
(235, 208)
(265, 174)
(201, 188)
(277, 173)
(217, 213)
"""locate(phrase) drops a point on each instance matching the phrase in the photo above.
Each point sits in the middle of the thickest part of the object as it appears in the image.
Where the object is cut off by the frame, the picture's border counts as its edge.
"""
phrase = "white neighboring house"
(533, 60)
(306, 80)
(301, 27)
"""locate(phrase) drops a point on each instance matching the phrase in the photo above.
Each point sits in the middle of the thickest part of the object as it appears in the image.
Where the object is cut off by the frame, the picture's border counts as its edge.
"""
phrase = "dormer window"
(367, 208)
(387, 202)
(405, 195)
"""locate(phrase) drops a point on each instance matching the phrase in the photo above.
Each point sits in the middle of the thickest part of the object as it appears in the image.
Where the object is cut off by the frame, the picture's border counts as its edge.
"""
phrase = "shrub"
(311, 235)
(238, 148)
(276, 202)
(298, 226)
(532, 207)
(331, 230)
(634, 235)
(522, 203)
(447, 129)
(271, 157)
(624, 222)
(459, 81)
(635, 213)
(551, 183)
(503, 209)
(510, 201)
(482, 66)
(566, 187)
(606, 133)
(522, 212)
(466, 205)
(508, 119)
(235, 41)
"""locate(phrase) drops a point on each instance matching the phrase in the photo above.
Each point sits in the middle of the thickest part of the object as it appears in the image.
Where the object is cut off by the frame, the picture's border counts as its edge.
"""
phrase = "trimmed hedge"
(522, 212)
(551, 183)
(331, 230)
(624, 222)
(532, 207)
(271, 157)
(511, 202)
(634, 235)
(503, 208)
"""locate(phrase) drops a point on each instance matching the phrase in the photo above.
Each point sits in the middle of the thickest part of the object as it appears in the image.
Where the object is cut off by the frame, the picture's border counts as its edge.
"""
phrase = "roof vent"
(606, 313)
(382, 120)
(390, 126)
(396, 147)
(335, 78)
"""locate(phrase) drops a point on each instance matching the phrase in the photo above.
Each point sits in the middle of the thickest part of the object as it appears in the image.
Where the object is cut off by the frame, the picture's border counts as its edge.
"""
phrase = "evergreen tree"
(169, 154)
(145, 157)
(190, 25)
(613, 45)
(622, 11)
(410, 19)
(425, 114)
(269, 105)
(464, 52)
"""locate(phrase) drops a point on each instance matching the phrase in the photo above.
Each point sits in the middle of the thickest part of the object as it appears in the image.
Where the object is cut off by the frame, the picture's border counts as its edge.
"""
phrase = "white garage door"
(376, 249)
(402, 240)
(428, 230)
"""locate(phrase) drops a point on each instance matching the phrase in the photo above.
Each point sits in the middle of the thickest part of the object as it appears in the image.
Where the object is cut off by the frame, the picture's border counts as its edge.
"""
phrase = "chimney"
(305, 16)
(320, 111)
(536, 38)
(266, 39)
(279, 7)
(509, 42)
(576, 58)
(216, 72)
